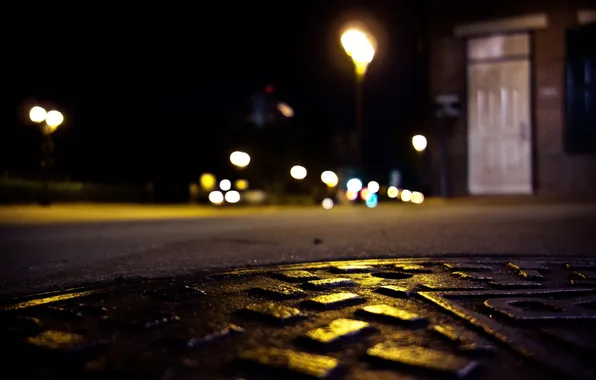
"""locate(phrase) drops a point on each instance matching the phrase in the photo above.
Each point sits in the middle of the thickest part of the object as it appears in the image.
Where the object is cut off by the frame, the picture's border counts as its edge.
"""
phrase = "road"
(51, 248)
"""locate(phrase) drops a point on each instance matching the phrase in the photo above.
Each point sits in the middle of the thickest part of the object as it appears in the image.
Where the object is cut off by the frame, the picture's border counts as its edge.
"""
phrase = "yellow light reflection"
(46, 300)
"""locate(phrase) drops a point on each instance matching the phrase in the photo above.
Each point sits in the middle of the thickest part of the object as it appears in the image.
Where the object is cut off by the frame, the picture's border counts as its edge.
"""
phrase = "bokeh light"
(354, 184)
(232, 196)
(37, 114)
(327, 203)
(365, 193)
(351, 195)
(329, 178)
(241, 184)
(392, 192)
(298, 172)
(406, 195)
(54, 119)
(373, 187)
(225, 184)
(240, 159)
(207, 181)
(419, 142)
(216, 197)
(417, 197)
(372, 201)
(285, 109)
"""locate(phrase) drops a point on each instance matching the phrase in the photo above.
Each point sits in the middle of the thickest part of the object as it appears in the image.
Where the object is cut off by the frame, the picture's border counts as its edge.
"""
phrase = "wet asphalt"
(36, 257)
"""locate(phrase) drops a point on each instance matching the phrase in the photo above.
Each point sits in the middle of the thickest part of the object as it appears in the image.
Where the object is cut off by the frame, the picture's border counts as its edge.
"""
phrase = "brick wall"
(555, 171)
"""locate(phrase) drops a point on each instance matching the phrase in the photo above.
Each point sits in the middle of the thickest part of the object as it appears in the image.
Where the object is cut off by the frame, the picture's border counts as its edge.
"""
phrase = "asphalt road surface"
(38, 254)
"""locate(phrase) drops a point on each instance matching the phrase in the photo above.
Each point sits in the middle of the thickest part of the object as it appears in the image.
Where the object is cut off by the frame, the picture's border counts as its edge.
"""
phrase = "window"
(580, 131)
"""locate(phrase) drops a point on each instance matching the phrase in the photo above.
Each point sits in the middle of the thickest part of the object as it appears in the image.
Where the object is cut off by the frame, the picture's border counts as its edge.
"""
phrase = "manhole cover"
(372, 319)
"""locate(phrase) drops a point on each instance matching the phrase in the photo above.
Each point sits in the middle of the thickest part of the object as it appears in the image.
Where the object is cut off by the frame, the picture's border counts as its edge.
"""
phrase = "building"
(525, 74)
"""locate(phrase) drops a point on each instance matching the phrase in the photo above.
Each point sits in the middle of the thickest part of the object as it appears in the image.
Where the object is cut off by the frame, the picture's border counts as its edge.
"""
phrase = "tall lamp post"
(358, 46)
(419, 143)
(48, 122)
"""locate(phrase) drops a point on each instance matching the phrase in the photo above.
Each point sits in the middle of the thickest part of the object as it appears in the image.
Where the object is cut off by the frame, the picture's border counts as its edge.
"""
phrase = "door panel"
(499, 133)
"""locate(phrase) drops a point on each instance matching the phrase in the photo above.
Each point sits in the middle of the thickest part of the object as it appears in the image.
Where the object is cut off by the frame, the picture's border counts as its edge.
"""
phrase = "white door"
(499, 129)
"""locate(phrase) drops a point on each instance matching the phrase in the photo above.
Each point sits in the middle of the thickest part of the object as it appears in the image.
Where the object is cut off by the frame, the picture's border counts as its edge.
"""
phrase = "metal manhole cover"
(481, 319)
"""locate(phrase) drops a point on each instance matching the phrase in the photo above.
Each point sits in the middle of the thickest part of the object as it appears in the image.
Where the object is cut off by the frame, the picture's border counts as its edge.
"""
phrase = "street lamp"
(48, 122)
(298, 172)
(37, 114)
(240, 159)
(419, 143)
(360, 47)
(329, 178)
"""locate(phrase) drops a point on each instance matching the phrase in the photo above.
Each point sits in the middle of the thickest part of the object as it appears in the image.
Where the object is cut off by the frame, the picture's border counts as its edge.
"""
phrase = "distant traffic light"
(269, 89)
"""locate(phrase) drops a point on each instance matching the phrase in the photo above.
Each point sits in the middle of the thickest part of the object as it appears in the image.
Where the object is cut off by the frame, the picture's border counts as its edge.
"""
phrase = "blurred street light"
(354, 184)
(406, 195)
(351, 195)
(232, 196)
(392, 192)
(207, 181)
(48, 122)
(417, 197)
(240, 159)
(225, 184)
(298, 172)
(360, 47)
(327, 203)
(372, 201)
(329, 178)
(241, 184)
(54, 119)
(37, 114)
(419, 143)
(216, 197)
(373, 187)
(365, 194)
(285, 109)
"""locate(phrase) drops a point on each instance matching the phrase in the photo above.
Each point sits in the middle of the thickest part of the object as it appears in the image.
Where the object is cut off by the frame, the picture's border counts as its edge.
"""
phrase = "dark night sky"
(149, 89)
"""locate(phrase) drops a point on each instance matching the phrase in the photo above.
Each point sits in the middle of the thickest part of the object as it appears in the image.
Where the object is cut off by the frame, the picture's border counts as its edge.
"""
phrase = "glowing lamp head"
(240, 159)
(359, 46)
(298, 172)
(54, 119)
(37, 114)
(329, 178)
(216, 197)
(419, 143)
(354, 184)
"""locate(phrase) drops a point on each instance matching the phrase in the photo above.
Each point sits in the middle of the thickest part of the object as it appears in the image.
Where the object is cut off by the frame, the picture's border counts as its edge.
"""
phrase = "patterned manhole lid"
(372, 319)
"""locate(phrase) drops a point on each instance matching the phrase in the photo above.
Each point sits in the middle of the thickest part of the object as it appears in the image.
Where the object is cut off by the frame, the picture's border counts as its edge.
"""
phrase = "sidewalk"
(513, 200)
